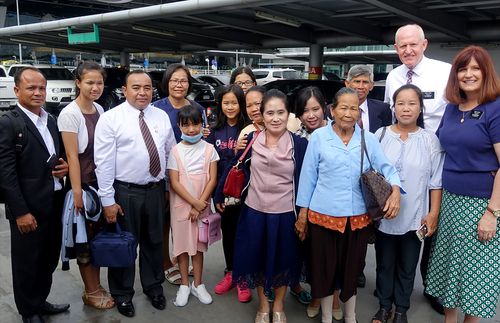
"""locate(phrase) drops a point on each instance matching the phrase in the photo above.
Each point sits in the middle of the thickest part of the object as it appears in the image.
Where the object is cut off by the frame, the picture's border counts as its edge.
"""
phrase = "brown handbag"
(375, 188)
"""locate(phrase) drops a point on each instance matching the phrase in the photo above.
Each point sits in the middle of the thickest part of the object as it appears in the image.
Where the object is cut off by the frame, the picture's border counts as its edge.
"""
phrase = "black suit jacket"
(25, 177)
(379, 113)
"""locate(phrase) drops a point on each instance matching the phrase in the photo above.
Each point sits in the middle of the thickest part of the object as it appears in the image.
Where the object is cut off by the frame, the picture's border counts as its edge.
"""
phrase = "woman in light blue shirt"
(332, 205)
(418, 158)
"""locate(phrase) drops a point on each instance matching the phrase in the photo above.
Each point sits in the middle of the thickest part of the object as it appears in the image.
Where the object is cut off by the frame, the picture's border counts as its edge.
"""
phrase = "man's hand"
(61, 169)
(26, 223)
(220, 207)
(110, 212)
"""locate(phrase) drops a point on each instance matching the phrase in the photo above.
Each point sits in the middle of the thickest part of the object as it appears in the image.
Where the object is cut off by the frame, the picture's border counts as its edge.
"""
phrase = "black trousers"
(397, 258)
(144, 214)
(229, 222)
(35, 256)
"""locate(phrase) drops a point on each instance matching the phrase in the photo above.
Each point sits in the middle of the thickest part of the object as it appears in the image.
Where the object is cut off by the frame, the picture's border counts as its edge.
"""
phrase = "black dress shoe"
(126, 308)
(361, 280)
(400, 318)
(33, 319)
(158, 301)
(52, 309)
(435, 303)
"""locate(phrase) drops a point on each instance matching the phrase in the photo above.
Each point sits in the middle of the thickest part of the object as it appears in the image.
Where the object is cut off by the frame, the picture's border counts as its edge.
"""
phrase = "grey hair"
(360, 70)
(419, 29)
(342, 91)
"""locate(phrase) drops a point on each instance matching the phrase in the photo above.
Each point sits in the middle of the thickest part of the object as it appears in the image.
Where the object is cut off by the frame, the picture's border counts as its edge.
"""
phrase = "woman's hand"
(200, 205)
(391, 207)
(301, 224)
(487, 227)
(206, 132)
(78, 201)
(430, 221)
(242, 143)
(193, 215)
(220, 207)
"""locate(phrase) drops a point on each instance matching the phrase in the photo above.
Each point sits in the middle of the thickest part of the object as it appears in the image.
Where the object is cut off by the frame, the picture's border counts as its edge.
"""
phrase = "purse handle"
(240, 160)
(363, 151)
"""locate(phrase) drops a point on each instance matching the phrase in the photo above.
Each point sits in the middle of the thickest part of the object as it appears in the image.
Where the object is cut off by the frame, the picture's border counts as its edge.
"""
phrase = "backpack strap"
(19, 129)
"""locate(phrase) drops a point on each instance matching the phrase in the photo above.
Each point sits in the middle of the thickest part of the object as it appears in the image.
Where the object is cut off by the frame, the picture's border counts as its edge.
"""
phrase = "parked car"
(292, 87)
(214, 80)
(266, 75)
(112, 94)
(60, 85)
(8, 98)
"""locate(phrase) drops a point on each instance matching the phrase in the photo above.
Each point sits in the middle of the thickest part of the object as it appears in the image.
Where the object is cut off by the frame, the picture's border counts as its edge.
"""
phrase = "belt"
(150, 185)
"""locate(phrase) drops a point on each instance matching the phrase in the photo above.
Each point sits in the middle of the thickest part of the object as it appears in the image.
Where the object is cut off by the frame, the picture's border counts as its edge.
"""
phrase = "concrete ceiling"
(181, 26)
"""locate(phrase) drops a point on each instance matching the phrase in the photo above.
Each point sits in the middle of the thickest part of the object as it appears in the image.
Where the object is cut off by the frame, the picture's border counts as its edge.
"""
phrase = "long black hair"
(240, 96)
(304, 95)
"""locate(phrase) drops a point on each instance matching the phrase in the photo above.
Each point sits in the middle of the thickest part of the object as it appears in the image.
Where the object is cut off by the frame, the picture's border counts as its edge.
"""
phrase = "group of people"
(159, 169)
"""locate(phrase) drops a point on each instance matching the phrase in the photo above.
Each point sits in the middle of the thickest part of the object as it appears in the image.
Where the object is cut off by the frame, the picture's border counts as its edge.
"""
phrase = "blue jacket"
(299, 146)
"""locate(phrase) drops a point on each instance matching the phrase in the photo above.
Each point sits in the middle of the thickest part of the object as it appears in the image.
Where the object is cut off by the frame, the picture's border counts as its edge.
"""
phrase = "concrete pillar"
(315, 62)
(124, 59)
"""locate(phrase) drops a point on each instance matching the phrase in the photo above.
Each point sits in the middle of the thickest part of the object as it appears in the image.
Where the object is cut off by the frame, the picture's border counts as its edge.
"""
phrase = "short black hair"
(189, 113)
(171, 69)
(420, 119)
(20, 72)
(271, 94)
(240, 96)
(134, 72)
(242, 70)
(304, 95)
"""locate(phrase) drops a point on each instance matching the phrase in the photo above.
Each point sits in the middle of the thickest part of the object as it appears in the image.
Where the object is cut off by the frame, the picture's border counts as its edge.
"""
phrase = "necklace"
(464, 113)
(338, 132)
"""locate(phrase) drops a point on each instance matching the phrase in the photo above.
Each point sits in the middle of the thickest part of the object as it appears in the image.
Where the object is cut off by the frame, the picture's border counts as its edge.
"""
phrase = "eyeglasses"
(181, 82)
(247, 83)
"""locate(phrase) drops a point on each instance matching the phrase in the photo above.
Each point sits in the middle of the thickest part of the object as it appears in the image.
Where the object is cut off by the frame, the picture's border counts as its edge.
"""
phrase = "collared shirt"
(419, 162)
(40, 123)
(365, 117)
(119, 149)
(431, 76)
(329, 180)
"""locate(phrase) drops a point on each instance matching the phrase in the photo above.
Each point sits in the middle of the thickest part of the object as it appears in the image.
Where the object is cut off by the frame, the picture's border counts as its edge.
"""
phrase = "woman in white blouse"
(418, 158)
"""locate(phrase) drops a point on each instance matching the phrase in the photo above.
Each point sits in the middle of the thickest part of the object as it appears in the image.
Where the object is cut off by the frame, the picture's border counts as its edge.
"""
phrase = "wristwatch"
(495, 213)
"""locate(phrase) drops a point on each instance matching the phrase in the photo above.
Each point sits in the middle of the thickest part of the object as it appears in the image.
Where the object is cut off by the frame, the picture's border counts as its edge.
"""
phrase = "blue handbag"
(113, 249)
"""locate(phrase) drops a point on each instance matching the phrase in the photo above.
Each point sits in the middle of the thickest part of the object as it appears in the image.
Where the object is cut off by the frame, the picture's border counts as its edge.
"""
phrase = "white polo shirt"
(431, 76)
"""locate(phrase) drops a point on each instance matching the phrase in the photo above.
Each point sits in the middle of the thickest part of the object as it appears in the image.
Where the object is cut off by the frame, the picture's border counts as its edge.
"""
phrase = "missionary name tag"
(428, 95)
(476, 114)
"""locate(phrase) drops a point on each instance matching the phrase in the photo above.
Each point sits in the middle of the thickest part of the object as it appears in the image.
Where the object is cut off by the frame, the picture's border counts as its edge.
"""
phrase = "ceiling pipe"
(144, 13)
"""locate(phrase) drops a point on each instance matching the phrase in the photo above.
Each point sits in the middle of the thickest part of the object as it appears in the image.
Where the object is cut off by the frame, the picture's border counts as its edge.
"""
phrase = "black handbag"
(113, 249)
(375, 188)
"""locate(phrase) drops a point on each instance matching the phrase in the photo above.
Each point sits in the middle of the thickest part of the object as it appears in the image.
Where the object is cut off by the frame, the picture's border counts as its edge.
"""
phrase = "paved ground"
(68, 286)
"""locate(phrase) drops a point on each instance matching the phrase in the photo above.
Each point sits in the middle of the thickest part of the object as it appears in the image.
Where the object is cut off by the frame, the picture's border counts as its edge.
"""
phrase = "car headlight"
(56, 90)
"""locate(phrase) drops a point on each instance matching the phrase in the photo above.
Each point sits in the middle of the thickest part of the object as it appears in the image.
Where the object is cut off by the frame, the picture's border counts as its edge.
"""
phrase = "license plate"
(206, 97)
(4, 104)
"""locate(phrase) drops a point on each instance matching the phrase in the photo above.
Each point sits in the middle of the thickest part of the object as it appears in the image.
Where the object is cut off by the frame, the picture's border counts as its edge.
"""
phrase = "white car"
(7, 97)
(266, 75)
(60, 85)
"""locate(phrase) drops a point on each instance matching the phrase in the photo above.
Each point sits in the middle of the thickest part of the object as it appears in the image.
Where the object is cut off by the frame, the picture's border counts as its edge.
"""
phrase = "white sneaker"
(182, 295)
(201, 293)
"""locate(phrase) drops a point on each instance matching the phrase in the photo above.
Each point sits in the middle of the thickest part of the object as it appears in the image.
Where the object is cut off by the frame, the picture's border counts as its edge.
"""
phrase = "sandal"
(304, 297)
(382, 315)
(173, 276)
(99, 299)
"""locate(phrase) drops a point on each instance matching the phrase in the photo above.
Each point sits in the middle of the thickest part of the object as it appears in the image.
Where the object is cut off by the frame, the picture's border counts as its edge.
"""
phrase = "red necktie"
(154, 159)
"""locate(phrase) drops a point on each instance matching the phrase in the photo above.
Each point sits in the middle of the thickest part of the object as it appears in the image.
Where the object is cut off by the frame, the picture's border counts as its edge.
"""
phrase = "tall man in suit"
(30, 179)
(374, 113)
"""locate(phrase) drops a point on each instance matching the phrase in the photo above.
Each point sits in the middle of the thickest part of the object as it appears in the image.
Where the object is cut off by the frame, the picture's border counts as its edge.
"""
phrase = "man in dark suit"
(374, 113)
(30, 179)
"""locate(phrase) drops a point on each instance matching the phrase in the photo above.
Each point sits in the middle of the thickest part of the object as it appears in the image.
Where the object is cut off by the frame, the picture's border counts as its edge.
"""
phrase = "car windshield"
(57, 74)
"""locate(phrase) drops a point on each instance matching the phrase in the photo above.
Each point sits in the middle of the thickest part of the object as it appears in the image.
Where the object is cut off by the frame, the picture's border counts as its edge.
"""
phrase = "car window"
(53, 74)
(277, 74)
(14, 69)
(260, 74)
(2, 73)
(288, 75)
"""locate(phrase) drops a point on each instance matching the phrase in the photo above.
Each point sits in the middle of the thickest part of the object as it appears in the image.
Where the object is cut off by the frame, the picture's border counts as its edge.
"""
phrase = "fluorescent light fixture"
(18, 40)
(154, 31)
(274, 18)
(115, 1)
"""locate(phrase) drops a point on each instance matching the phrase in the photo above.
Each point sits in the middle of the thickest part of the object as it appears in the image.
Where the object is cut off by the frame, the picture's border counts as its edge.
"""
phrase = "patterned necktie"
(409, 76)
(154, 159)
(360, 119)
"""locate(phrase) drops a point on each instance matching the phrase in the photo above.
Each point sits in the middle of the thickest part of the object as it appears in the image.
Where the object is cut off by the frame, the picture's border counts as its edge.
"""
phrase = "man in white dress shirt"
(132, 143)
(431, 76)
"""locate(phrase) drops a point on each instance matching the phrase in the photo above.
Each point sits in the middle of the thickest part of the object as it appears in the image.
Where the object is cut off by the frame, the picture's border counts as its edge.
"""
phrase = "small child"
(192, 169)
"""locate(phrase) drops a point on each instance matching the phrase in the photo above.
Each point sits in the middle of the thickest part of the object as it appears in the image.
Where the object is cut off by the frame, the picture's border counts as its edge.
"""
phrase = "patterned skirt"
(463, 271)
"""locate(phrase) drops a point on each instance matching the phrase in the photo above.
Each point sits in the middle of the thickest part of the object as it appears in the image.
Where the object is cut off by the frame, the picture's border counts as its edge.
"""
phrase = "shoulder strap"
(19, 129)
(383, 134)
(364, 150)
(242, 157)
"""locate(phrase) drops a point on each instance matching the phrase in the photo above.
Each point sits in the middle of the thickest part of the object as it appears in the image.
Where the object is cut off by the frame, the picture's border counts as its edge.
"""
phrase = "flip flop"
(173, 276)
(303, 296)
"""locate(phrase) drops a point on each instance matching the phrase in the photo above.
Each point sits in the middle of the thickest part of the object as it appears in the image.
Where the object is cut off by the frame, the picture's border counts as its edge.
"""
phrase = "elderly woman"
(338, 226)
(464, 268)
(418, 158)
(177, 84)
(266, 248)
